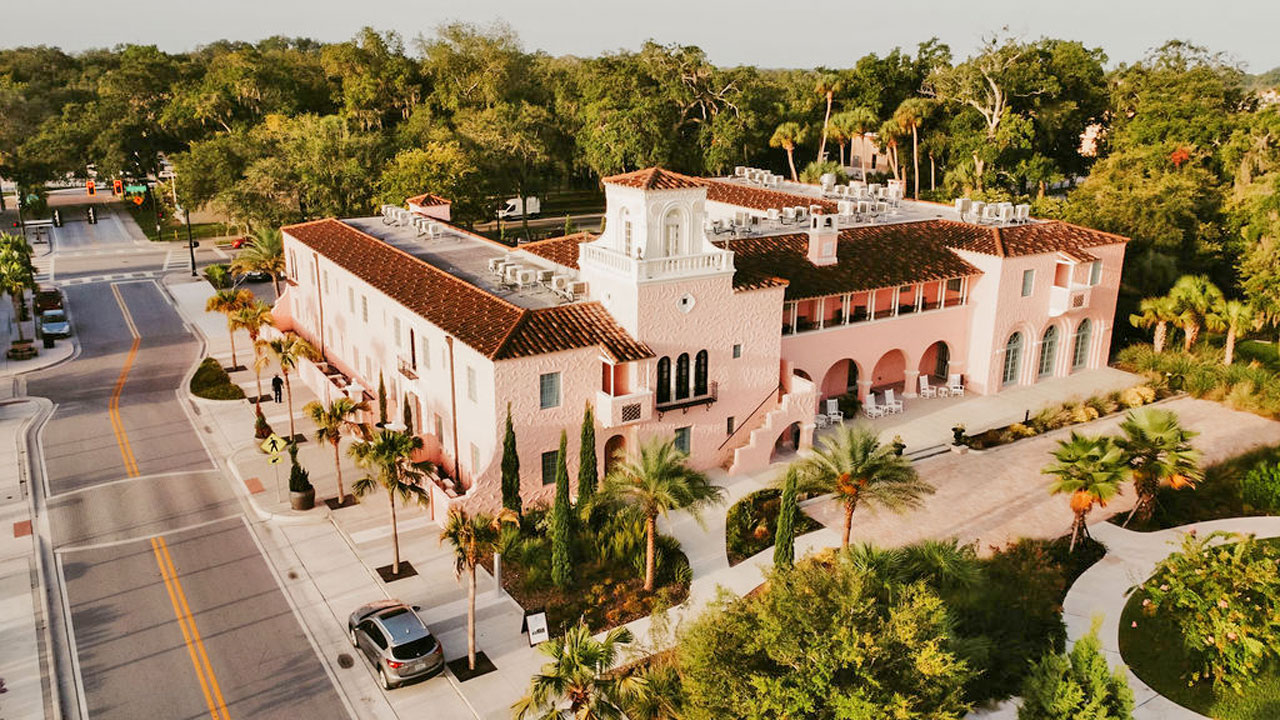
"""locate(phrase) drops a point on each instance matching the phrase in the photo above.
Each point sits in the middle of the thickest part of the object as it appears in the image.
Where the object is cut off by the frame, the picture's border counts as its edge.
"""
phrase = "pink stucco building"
(718, 312)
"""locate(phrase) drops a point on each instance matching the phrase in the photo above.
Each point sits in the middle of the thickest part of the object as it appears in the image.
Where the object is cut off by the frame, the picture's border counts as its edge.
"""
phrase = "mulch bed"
(461, 669)
(406, 570)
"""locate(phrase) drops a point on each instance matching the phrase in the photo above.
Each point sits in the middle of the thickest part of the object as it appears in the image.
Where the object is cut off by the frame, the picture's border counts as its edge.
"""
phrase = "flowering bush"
(1223, 601)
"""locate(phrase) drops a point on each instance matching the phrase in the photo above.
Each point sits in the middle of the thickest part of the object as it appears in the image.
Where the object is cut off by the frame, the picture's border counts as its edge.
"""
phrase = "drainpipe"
(453, 405)
(315, 260)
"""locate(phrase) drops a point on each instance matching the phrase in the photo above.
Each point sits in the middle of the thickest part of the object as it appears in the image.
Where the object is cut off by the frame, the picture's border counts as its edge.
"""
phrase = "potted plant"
(261, 430)
(302, 494)
(957, 434)
(898, 445)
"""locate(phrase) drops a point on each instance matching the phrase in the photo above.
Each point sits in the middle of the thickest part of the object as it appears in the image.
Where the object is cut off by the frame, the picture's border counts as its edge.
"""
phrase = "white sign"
(537, 624)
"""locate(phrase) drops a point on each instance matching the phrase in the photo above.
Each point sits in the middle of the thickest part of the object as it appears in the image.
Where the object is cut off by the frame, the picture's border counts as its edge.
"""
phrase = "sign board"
(537, 627)
(137, 199)
(135, 188)
(275, 459)
(273, 444)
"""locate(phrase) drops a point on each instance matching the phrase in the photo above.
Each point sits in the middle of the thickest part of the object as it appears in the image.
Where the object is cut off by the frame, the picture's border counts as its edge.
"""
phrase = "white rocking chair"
(870, 409)
(833, 411)
(954, 387)
(927, 390)
(892, 404)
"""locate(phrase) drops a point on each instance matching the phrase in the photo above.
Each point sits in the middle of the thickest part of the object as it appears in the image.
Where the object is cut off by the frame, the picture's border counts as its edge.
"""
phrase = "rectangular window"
(549, 467)
(549, 390)
(737, 350)
(1028, 282)
(395, 331)
(475, 458)
(471, 384)
(439, 423)
(683, 439)
(728, 426)
(351, 300)
(1095, 272)
(426, 354)
(326, 282)
(953, 285)
(626, 241)
(364, 308)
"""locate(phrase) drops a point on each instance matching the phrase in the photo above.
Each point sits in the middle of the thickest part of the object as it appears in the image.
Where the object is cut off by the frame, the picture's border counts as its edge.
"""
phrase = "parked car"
(54, 323)
(239, 242)
(256, 276)
(48, 300)
(395, 641)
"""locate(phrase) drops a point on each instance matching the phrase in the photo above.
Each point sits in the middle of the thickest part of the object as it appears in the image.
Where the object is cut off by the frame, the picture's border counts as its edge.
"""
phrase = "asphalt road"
(174, 611)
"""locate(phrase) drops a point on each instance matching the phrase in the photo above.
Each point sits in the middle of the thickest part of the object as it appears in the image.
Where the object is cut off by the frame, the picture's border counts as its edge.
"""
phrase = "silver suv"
(396, 642)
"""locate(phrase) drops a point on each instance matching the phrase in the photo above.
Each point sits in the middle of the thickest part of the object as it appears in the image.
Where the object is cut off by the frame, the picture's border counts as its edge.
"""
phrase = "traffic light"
(93, 217)
(57, 218)
(92, 188)
(117, 187)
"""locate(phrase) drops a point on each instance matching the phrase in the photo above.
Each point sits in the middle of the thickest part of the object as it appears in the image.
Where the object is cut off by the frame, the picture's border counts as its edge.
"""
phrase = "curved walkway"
(1131, 558)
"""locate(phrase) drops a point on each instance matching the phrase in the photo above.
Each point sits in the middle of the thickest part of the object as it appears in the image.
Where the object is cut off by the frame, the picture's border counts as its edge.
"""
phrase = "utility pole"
(191, 244)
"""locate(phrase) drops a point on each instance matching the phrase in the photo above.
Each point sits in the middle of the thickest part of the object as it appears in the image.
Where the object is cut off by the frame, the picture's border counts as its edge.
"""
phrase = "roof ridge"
(999, 240)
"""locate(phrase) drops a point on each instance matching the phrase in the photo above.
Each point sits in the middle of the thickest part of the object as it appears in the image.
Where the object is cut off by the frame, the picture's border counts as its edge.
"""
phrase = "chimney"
(822, 239)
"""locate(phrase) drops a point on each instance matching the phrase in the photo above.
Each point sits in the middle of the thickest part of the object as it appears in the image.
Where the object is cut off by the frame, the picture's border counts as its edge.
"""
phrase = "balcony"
(1066, 299)
(685, 403)
(715, 261)
(618, 410)
(406, 368)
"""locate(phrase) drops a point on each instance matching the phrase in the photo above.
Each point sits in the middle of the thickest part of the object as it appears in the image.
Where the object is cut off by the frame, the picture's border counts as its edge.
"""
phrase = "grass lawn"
(1264, 352)
(170, 230)
(1154, 654)
(1217, 497)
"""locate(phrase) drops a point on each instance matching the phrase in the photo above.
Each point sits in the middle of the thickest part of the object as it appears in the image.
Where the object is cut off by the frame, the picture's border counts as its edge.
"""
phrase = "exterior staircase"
(796, 406)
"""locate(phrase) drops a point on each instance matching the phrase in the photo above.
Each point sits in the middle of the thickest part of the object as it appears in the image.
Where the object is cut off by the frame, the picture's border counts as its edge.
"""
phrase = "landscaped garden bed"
(752, 523)
(1191, 632)
(1242, 486)
(211, 382)
(1075, 412)
(1252, 386)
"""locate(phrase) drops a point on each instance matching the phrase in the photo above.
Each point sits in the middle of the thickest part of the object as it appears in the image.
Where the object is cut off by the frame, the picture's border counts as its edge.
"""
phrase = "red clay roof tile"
(654, 178)
(560, 250)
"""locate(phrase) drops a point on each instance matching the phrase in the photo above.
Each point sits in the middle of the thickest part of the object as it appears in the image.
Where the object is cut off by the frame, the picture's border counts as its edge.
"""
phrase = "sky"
(778, 33)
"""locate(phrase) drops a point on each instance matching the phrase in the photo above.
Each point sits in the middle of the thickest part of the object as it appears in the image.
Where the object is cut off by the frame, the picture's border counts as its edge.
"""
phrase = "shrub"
(1079, 684)
(1221, 601)
(1251, 387)
(751, 523)
(299, 477)
(1019, 431)
(813, 172)
(261, 428)
(1260, 488)
(211, 382)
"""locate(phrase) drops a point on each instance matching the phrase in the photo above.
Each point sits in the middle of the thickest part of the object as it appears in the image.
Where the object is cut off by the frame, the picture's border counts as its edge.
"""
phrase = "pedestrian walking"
(277, 388)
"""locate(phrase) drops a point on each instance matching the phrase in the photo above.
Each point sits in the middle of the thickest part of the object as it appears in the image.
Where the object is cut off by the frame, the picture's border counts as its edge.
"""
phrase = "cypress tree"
(511, 469)
(562, 522)
(382, 401)
(587, 475)
(408, 415)
(784, 540)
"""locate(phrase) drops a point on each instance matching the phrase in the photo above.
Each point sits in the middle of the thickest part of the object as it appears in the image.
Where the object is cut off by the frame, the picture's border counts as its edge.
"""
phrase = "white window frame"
(687, 433)
(1028, 282)
(543, 389)
(1095, 273)
(472, 386)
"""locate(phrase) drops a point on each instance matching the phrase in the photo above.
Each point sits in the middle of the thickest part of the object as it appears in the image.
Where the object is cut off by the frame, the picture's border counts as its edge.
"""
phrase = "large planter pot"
(302, 500)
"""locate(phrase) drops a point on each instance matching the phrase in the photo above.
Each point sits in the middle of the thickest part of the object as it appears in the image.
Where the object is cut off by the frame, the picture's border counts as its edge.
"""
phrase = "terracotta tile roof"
(1031, 239)
(427, 199)
(492, 326)
(759, 198)
(875, 256)
(569, 327)
(561, 250)
(655, 178)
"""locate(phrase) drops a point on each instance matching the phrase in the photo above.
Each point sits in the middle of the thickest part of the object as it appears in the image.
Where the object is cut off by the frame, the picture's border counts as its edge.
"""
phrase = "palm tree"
(941, 564)
(840, 133)
(787, 136)
(828, 85)
(472, 537)
(16, 276)
(387, 460)
(1195, 296)
(889, 134)
(252, 318)
(1157, 449)
(331, 422)
(655, 481)
(1231, 316)
(580, 676)
(1090, 470)
(228, 302)
(909, 116)
(854, 467)
(265, 253)
(862, 121)
(1156, 312)
(288, 350)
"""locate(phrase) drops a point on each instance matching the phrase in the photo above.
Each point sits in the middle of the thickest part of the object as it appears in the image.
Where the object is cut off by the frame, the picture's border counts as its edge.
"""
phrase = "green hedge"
(211, 382)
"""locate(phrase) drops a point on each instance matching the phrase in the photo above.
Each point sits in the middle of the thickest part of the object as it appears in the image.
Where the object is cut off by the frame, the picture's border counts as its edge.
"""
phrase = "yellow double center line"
(190, 634)
(113, 407)
(177, 597)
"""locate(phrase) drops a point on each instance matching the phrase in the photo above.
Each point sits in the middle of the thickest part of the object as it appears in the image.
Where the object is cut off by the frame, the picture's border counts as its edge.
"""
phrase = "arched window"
(671, 234)
(664, 380)
(1048, 352)
(700, 374)
(682, 376)
(1080, 352)
(1012, 360)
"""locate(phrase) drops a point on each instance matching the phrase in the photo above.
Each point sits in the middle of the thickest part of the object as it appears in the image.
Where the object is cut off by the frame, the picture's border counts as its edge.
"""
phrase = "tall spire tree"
(588, 475)
(562, 522)
(511, 469)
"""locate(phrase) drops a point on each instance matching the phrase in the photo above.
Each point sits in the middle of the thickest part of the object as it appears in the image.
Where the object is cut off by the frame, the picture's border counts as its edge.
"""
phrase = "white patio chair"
(821, 420)
(870, 409)
(927, 390)
(954, 387)
(891, 403)
(833, 411)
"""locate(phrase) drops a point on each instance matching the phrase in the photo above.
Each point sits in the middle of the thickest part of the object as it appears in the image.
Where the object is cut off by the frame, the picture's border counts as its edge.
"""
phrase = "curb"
(266, 515)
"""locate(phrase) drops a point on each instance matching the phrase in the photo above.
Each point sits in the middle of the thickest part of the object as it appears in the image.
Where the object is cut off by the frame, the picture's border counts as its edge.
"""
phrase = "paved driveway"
(999, 495)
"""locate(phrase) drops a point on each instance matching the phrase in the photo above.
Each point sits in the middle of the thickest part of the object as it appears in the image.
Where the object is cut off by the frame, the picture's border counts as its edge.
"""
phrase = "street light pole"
(191, 245)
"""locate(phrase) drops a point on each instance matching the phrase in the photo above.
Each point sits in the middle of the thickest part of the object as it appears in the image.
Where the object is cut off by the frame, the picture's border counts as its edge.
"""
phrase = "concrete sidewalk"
(1102, 592)
(21, 616)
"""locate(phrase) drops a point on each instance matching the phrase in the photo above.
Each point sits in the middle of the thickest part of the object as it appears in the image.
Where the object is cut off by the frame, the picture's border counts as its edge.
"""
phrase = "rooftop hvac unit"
(976, 209)
(560, 283)
(740, 171)
(526, 277)
(773, 214)
(962, 205)
(828, 181)
(1006, 213)
(578, 289)
(435, 229)
(1022, 213)
(388, 212)
(544, 276)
